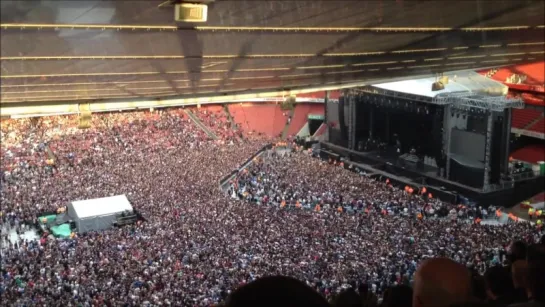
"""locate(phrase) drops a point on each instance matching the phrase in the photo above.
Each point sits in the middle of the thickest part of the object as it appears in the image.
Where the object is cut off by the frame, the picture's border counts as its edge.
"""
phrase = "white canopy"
(101, 206)
(98, 213)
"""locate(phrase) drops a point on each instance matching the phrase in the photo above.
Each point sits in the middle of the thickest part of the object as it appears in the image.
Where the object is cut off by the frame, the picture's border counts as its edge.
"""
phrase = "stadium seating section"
(538, 198)
(533, 72)
(300, 116)
(320, 95)
(539, 126)
(268, 119)
(532, 153)
(523, 117)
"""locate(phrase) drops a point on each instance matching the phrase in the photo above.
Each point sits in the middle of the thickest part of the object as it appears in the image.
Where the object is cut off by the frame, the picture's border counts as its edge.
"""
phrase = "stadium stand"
(268, 119)
(530, 153)
(300, 116)
(216, 119)
(539, 126)
(538, 198)
(534, 99)
(533, 72)
(320, 95)
(522, 118)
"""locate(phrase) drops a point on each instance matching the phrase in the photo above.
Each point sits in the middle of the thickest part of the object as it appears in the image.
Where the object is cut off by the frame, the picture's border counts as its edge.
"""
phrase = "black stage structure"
(455, 144)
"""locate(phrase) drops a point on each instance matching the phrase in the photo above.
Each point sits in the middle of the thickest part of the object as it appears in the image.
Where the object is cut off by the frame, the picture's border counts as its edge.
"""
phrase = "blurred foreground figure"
(532, 277)
(276, 291)
(441, 282)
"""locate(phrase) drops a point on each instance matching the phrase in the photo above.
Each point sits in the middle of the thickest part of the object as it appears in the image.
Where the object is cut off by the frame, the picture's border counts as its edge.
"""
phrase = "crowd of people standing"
(290, 215)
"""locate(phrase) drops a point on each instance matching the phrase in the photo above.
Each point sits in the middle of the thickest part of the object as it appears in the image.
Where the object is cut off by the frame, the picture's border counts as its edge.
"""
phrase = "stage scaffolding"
(468, 102)
(459, 102)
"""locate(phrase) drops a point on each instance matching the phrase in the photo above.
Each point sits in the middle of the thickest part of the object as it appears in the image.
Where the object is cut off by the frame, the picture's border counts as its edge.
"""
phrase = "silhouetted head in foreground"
(399, 296)
(517, 251)
(498, 283)
(348, 298)
(441, 282)
(276, 291)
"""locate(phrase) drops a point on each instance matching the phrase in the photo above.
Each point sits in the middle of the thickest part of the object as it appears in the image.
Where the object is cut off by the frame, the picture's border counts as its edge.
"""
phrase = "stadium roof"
(64, 51)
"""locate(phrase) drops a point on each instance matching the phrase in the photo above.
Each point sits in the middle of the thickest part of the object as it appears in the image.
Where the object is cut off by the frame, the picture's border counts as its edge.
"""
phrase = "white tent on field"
(98, 213)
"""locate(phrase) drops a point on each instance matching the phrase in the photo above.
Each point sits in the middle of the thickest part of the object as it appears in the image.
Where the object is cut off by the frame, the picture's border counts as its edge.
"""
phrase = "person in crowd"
(534, 278)
(499, 286)
(348, 298)
(519, 273)
(517, 251)
(478, 286)
(369, 299)
(276, 291)
(398, 296)
(441, 282)
(535, 288)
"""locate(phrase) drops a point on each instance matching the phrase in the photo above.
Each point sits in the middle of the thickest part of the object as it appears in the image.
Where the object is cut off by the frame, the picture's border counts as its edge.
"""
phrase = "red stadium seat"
(523, 117)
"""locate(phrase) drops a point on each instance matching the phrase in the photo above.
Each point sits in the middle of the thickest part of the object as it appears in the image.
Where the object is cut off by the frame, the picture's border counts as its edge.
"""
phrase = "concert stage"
(454, 140)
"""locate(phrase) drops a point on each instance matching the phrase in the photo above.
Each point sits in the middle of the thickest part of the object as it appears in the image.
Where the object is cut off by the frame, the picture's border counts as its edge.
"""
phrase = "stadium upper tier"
(60, 51)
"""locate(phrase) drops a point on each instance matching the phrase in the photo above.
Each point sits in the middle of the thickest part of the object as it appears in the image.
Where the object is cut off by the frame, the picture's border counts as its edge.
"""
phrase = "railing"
(198, 122)
(499, 186)
(231, 175)
(530, 133)
(523, 176)
(509, 184)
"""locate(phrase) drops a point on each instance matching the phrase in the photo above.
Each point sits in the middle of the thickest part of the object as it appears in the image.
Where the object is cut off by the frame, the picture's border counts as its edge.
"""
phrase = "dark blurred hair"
(535, 255)
(474, 304)
(399, 296)
(275, 291)
(536, 271)
(363, 289)
(498, 281)
(517, 252)
(348, 298)
(478, 288)
(536, 283)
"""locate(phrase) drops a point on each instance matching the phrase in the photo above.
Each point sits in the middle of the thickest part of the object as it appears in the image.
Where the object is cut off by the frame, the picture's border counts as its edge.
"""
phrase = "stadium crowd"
(291, 215)
(217, 120)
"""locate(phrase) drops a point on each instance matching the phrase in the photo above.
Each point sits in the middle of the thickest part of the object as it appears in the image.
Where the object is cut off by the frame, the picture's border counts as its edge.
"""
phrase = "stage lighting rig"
(437, 86)
(439, 83)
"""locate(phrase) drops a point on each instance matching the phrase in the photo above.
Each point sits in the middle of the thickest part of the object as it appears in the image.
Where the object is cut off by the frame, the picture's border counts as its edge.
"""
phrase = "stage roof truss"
(459, 100)
(472, 100)
(393, 94)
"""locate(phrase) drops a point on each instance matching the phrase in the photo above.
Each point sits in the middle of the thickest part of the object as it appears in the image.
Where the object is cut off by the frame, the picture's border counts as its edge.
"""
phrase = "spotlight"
(437, 86)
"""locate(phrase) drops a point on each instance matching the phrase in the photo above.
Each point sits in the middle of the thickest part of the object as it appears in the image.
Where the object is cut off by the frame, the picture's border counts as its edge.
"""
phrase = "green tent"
(61, 231)
(49, 218)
